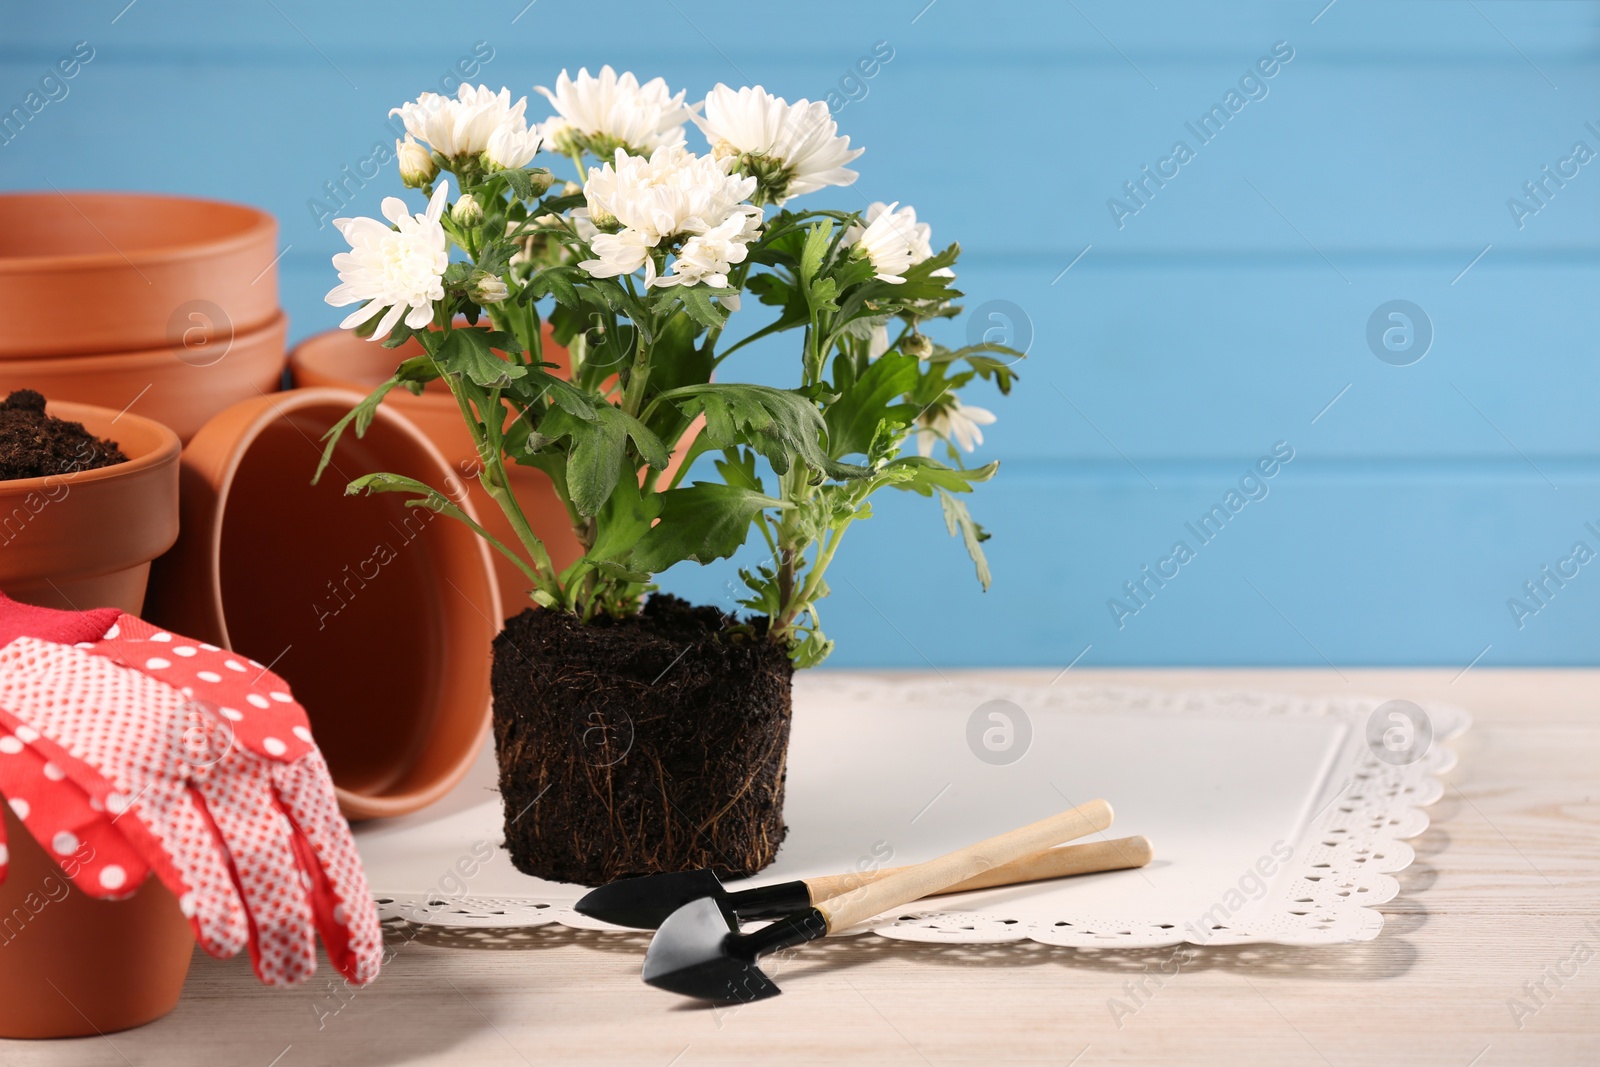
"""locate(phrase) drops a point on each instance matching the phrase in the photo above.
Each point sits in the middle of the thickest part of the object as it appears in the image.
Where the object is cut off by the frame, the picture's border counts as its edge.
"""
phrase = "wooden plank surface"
(1506, 886)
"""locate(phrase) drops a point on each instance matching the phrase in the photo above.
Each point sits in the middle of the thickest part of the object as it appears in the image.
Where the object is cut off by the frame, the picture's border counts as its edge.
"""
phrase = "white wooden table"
(1505, 888)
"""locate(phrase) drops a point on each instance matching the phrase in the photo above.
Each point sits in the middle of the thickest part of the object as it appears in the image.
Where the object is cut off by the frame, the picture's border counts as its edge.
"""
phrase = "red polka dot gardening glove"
(207, 765)
(304, 859)
(70, 823)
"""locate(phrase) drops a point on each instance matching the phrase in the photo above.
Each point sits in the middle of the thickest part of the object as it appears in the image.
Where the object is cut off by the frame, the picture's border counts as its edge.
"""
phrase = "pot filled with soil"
(653, 742)
(73, 966)
(88, 498)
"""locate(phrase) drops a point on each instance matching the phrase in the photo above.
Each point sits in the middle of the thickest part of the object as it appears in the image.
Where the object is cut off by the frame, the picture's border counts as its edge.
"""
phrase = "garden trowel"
(645, 902)
(700, 952)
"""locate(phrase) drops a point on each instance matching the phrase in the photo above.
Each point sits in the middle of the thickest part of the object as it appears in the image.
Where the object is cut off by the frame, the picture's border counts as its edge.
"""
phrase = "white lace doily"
(1274, 817)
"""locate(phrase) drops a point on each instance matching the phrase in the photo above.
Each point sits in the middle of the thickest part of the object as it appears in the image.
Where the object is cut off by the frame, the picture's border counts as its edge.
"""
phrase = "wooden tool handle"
(1089, 858)
(935, 876)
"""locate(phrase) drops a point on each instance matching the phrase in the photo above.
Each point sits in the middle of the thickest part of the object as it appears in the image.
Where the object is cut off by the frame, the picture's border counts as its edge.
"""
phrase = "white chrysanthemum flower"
(706, 257)
(461, 127)
(671, 196)
(611, 111)
(673, 191)
(511, 147)
(792, 148)
(399, 268)
(621, 253)
(417, 167)
(894, 241)
(955, 422)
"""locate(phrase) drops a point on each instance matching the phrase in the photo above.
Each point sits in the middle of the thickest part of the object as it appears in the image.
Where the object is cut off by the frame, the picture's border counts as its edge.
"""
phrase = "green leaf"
(619, 299)
(539, 384)
(494, 251)
(778, 423)
(701, 307)
(811, 651)
(738, 467)
(818, 237)
(618, 572)
(522, 183)
(958, 520)
(676, 362)
(360, 417)
(625, 518)
(853, 271)
(416, 372)
(819, 289)
(853, 420)
(702, 522)
(599, 451)
(772, 290)
(470, 352)
(923, 475)
(556, 282)
(975, 352)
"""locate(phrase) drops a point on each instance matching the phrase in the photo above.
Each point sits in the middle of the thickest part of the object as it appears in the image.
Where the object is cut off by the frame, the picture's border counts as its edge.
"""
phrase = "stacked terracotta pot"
(160, 306)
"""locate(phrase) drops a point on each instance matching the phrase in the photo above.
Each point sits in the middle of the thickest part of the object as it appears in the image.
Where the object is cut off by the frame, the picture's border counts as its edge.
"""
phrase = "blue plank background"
(1227, 314)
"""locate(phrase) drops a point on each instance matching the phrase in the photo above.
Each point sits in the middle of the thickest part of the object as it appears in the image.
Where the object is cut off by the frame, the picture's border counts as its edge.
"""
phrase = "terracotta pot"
(340, 359)
(85, 540)
(380, 616)
(179, 386)
(72, 966)
(119, 272)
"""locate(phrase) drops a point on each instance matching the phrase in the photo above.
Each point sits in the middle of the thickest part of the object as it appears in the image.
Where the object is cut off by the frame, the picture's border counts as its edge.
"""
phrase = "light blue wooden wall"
(1220, 319)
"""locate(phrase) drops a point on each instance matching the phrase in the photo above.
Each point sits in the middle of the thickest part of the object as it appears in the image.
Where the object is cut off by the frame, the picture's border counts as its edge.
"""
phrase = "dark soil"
(36, 445)
(633, 746)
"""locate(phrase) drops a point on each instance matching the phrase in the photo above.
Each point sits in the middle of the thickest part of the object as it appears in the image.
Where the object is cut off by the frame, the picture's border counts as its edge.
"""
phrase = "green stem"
(820, 566)
(492, 476)
(494, 543)
(500, 488)
(638, 374)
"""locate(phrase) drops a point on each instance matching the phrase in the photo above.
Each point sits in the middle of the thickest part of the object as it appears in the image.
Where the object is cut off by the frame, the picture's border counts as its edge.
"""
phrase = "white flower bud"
(467, 212)
(489, 289)
(417, 167)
